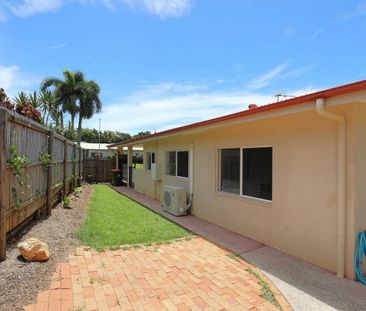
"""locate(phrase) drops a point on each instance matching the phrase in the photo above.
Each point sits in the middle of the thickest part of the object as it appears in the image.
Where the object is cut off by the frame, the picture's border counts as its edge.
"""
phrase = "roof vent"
(252, 106)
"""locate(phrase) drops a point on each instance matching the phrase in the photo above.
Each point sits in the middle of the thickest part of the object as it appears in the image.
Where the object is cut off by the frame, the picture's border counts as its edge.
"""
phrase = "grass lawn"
(115, 220)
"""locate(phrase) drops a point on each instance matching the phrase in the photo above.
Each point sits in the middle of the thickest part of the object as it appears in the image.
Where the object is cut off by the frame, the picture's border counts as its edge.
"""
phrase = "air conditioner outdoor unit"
(175, 200)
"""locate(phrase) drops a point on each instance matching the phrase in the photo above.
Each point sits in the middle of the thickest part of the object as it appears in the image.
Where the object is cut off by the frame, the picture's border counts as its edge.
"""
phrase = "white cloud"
(57, 46)
(316, 34)
(156, 107)
(359, 11)
(107, 3)
(165, 8)
(160, 8)
(32, 7)
(3, 16)
(266, 78)
(14, 80)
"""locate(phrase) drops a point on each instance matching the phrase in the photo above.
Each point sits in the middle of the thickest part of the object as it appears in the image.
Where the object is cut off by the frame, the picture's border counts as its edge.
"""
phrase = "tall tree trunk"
(79, 128)
(62, 119)
(48, 114)
(72, 120)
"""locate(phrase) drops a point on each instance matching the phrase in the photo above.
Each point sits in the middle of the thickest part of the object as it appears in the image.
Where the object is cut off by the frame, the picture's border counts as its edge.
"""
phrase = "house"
(93, 149)
(290, 174)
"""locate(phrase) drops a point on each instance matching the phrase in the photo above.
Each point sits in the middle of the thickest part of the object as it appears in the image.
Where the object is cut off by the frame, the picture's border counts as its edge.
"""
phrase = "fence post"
(84, 157)
(74, 167)
(4, 192)
(65, 169)
(79, 166)
(49, 173)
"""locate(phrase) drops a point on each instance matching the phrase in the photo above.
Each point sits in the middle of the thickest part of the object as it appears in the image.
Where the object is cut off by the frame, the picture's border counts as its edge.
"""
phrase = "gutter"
(359, 86)
(341, 205)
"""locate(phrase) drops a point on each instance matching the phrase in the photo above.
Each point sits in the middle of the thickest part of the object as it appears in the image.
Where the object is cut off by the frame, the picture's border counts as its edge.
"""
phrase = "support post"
(129, 167)
(74, 167)
(117, 158)
(84, 157)
(79, 178)
(3, 191)
(65, 169)
(49, 174)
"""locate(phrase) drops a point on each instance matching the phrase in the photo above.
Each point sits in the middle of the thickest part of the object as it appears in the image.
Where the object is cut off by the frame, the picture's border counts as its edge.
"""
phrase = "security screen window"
(171, 163)
(257, 173)
(148, 161)
(182, 161)
(230, 170)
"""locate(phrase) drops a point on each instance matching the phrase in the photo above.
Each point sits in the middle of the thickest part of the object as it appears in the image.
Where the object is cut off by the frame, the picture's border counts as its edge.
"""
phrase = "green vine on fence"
(18, 163)
(46, 161)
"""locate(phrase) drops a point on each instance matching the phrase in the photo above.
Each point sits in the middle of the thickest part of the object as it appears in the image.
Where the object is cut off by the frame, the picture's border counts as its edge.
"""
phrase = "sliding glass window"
(246, 172)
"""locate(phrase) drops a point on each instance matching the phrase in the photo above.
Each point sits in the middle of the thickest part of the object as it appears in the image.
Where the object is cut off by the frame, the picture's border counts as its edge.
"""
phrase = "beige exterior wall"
(301, 219)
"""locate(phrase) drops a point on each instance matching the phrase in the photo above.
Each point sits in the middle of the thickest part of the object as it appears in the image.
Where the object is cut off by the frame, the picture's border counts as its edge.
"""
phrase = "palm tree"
(67, 91)
(48, 101)
(89, 103)
(58, 116)
(34, 100)
(21, 98)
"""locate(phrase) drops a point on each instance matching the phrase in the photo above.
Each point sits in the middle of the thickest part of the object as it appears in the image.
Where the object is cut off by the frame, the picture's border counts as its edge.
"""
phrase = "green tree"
(67, 91)
(89, 103)
(20, 99)
(49, 105)
(141, 134)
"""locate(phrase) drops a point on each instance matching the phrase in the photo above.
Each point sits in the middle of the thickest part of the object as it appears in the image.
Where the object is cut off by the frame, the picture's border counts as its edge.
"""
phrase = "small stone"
(33, 250)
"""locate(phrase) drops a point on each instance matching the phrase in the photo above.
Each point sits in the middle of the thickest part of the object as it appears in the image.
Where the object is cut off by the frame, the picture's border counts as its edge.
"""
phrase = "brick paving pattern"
(184, 275)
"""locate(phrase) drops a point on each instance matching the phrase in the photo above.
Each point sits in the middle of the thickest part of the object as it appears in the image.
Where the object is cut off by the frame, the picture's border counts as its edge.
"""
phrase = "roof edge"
(327, 93)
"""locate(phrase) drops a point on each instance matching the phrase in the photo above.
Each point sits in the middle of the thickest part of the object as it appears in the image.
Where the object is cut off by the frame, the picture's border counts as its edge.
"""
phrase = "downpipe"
(189, 204)
(341, 204)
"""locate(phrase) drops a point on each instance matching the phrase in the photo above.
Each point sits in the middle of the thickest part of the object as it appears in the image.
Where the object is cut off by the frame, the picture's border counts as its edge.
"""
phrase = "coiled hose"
(360, 254)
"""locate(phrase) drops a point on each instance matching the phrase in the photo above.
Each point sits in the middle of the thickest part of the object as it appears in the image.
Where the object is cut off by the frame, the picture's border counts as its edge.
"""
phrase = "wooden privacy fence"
(99, 169)
(51, 166)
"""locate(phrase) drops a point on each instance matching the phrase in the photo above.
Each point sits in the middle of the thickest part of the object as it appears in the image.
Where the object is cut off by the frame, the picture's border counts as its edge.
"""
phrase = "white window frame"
(241, 173)
(149, 164)
(176, 164)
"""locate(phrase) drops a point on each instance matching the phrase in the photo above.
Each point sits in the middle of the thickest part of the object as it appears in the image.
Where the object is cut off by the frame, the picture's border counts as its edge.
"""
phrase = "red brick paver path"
(184, 275)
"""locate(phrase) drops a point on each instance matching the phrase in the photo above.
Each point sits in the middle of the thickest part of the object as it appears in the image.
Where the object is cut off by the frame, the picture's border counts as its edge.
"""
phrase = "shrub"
(26, 109)
(4, 100)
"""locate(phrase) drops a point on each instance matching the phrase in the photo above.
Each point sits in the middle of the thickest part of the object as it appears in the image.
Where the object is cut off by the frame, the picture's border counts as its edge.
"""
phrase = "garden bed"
(20, 281)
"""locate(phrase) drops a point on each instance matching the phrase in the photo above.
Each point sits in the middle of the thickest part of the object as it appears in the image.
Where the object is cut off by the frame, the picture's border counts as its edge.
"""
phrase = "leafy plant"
(18, 163)
(66, 202)
(45, 158)
(77, 190)
(5, 101)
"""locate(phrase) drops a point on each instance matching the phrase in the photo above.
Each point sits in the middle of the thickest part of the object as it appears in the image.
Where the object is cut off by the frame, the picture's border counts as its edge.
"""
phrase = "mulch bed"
(20, 281)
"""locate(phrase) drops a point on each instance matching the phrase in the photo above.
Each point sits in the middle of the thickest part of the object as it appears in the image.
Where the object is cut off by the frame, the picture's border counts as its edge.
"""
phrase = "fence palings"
(40, 186)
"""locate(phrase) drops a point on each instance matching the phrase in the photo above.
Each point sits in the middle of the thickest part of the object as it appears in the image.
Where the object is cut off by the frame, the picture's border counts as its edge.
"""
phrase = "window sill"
(177, 177)
(243, 198)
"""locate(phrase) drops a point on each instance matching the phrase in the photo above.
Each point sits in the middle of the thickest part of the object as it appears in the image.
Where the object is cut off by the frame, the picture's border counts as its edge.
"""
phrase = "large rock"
(34, 250)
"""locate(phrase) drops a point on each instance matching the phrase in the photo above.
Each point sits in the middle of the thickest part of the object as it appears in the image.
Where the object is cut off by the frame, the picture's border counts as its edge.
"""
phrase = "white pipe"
(190, 174)
(341, 206)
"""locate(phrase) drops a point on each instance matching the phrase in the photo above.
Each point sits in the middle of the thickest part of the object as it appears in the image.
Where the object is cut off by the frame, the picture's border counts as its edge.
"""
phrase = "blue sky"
(165, 63)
